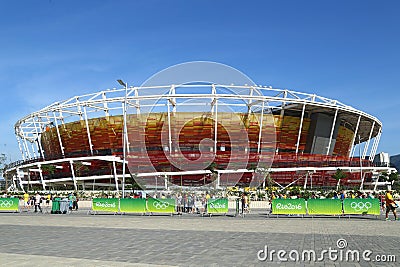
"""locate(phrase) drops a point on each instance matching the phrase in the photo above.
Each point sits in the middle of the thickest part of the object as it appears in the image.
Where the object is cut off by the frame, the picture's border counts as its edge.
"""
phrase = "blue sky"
(54, 49)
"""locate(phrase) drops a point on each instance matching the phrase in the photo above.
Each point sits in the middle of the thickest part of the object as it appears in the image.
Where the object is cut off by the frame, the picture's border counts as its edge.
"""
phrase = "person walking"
(179, 204)
(390, 205)
(26, 201)
(246, 203)
(38, 200)
(70, 202)
(75, 201)
(244, 200)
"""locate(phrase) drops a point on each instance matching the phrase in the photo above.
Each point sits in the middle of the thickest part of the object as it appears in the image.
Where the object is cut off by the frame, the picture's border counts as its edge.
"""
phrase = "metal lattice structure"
(357, 126)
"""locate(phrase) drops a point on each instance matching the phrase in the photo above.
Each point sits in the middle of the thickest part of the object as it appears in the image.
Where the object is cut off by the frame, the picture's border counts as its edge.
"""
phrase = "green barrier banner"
(135, 205)
(361, 206)
(289, 206)
(161, 205)
(9, 204)
(219, 205)
(324, 206)
(105, 204)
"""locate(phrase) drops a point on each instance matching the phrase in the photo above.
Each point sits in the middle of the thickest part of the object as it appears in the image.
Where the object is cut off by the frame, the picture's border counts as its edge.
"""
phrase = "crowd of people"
(196, 202)
(38, 201)
(188, 202)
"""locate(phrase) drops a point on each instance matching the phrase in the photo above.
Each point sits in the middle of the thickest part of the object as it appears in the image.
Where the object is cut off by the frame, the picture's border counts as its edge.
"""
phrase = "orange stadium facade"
(195, 135)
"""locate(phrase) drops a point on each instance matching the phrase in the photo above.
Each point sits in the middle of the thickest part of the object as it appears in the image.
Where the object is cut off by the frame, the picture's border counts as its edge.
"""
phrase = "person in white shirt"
(38, 199)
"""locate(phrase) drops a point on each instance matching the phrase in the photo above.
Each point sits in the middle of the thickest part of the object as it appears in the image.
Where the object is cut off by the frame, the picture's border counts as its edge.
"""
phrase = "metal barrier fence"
(348, 206)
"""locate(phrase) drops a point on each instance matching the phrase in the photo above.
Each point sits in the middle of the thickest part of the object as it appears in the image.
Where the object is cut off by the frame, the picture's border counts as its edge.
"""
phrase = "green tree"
(339, 175)
(212, 167)
(131, 181)
(269, 181)
(3, 159)
(50, 169)
(382, 176)
(393, 177)
(79, 168)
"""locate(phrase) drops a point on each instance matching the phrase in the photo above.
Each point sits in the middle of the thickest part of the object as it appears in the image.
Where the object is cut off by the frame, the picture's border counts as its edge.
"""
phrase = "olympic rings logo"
(359, 206)
(160, 205)
(6, 203)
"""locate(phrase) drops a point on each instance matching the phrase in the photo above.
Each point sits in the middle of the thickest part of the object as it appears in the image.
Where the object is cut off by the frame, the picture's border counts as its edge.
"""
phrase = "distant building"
(395, 162)
(382, 159)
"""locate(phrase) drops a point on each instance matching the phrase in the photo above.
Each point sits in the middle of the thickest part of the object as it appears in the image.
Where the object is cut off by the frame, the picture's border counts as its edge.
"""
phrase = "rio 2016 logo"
(288, 206)
(105, 205)
(217, 205)
(359, 206)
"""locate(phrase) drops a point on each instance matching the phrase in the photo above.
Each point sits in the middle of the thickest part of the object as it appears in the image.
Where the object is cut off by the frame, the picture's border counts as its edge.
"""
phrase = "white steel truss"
(252, 98)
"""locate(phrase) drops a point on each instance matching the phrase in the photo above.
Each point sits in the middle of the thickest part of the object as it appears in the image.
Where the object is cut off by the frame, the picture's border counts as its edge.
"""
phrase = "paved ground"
(80, 239)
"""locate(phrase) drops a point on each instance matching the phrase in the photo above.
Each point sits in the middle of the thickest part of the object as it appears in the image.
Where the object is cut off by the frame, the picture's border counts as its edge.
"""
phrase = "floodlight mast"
(361, 172)
(124, 137)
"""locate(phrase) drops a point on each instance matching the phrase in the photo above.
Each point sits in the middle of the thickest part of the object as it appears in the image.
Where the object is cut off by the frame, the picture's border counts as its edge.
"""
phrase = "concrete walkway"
(80, 239)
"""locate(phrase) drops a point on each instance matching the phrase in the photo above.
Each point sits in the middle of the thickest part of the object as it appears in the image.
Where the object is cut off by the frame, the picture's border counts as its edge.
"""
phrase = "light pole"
(124, 138)
(361, 174)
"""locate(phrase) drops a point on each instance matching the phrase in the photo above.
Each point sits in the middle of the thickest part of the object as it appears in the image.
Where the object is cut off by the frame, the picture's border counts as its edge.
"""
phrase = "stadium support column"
(33, 150)
(58, 134)
(283, 104)
(282, 113)
(249, 103)
(78, 107)
(41, 177)
(104, 97)
(73, 174)
(20, 148)
(352, 148)
(332, 130)
(165, 182)
(137, 100)
(216, 128)
(214, 104)
(115, 176)
(26, 147)
(124, 142)
(369, 140)
(39, 142)
(88, 131)
(305, 181)
(169, 129)
(375, 145)
(300, 128)
(19, 179)
(261, 126)
(14, 177)
(171, 101)
(362, 181)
